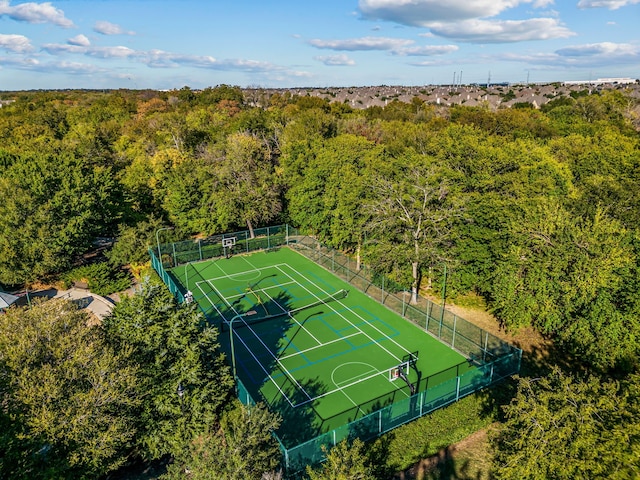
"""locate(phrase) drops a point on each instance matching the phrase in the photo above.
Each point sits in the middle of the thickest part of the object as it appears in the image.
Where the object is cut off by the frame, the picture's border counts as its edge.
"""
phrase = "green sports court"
(325, 341)
(302, 339)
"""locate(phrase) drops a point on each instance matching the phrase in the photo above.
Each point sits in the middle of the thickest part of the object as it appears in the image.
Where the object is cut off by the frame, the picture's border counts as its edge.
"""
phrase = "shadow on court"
(261, 332)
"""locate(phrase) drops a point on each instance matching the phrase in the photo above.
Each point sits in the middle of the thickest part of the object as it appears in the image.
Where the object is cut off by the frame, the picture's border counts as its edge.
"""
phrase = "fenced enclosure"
(488, 358)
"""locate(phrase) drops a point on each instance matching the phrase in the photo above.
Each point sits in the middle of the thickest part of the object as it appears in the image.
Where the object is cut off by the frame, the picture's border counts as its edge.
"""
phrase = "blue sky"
(164, 44)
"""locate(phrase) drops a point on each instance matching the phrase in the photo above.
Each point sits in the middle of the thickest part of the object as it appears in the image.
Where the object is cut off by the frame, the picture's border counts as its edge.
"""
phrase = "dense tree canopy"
(70, 397)
(562, 427)
(535, 210)
(184, 381)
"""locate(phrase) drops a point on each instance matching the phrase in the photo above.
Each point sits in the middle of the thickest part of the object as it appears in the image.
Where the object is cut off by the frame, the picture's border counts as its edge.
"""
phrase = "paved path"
(99, 306)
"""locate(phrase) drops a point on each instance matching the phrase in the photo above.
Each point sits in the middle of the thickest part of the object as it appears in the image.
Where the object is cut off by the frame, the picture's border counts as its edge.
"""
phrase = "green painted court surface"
(320, 358)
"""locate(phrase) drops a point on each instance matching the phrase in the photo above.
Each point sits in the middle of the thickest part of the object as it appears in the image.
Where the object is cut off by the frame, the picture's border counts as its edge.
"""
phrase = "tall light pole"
(444, 296)
(158, 241)
(233, 353)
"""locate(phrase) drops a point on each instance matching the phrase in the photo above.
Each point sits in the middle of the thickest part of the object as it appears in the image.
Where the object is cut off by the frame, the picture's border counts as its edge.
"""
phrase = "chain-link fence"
(490, 358)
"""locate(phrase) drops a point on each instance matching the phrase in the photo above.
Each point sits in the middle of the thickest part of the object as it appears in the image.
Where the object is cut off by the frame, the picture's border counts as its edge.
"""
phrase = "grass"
(408, 448)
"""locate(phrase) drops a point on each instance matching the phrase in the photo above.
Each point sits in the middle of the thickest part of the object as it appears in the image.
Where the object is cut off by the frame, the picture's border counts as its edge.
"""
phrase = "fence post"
(486, 344)
(457, 388)
(403, 302)
(426, 325)
(200, 248)
(268, 239)
(175, 262)
(379, 421)
(453, 337)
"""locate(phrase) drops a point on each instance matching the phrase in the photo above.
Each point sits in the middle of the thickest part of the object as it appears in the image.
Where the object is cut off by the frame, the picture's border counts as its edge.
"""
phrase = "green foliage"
(426, 436)
(71, 397)
(102, 278)
(510, 95)
(241, 447)
(50, 211)
(410, 214)
(549, 234)
(327, 183)
(133, 242)
(343, 462)
(176, 349)
(563, 276)
(561, 427)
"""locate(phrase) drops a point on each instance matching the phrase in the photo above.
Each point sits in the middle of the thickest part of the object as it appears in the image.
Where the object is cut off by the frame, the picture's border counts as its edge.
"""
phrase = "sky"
(167, 44)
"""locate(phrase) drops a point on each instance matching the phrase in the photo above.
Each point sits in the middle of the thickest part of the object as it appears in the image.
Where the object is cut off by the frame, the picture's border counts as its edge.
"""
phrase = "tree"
(132, 243)
(566, 277)
(71, 397)
(328, 183)
(344, 462)
(184, 382)
(411, 216)
(51, 208)
(250, 191)
(562, 427)
(240, 447)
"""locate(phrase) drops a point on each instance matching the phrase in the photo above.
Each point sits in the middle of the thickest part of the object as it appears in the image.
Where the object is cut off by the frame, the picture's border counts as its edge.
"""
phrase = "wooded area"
(535, 211)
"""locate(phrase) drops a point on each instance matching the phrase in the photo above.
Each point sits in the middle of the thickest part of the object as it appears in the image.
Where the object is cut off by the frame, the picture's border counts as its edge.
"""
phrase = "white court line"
(292, 317)
(354, 403)
(339, 389)
(268, 374)
(230, 276)
(212, 304)
(272, 287)
(285, 371)
(291, 377)
(226, 276)
(346, 319)
(300, 352)
(349, 381)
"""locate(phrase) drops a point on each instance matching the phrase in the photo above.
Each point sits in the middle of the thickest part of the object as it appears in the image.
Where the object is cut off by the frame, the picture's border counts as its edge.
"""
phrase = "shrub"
(101, 278)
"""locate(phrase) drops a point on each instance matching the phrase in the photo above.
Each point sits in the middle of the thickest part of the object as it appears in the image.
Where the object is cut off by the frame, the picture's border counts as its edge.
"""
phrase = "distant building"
(603, 81)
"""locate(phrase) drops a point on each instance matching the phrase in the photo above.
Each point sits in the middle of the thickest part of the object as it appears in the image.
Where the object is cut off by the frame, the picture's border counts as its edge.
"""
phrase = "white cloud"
(160, 58)
(336, 60)
(111, 52)
(610, 4)
(421, 13)
(466, 20)
(584, 56)
(79, 40)
(108, 28)
(364, 43)
(56, 48)
(426, 51)
(64, 67)
(35, 13)
(608, 49)
(15, 43)
(20, 62)
(502, 31)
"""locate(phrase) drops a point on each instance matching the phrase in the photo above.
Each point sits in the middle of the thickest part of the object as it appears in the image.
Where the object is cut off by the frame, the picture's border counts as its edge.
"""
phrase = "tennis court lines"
(338, 346)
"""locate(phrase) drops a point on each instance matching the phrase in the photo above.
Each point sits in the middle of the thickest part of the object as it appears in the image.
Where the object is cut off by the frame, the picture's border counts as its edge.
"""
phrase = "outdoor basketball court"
(311, 346)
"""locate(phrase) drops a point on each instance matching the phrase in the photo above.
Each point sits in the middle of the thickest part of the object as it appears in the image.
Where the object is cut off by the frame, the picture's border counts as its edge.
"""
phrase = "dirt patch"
(467, 459)
(527, 339)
